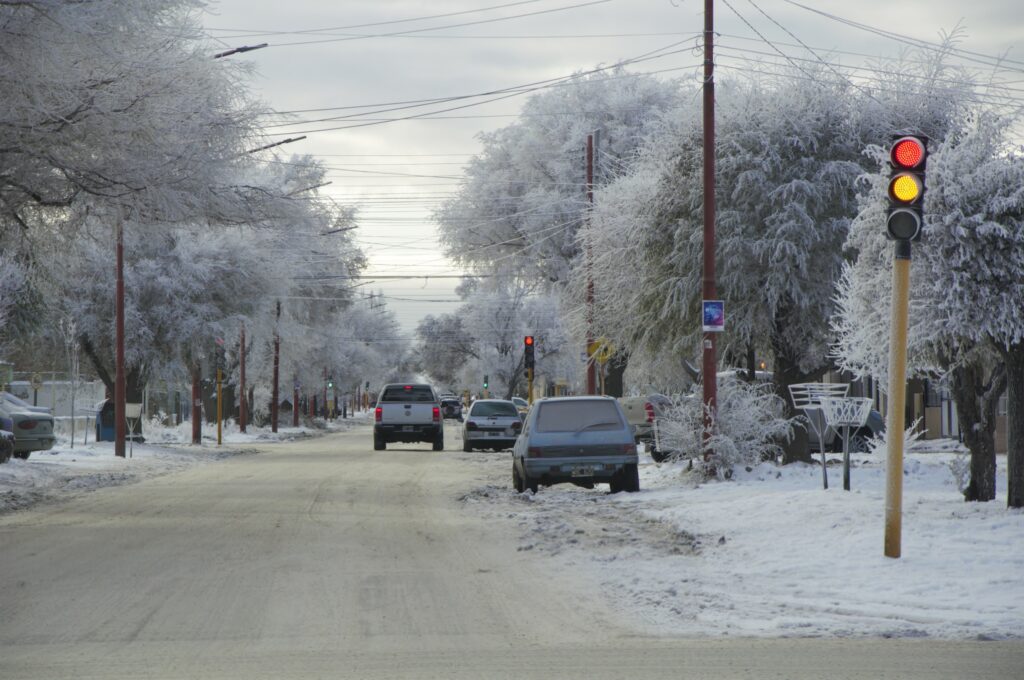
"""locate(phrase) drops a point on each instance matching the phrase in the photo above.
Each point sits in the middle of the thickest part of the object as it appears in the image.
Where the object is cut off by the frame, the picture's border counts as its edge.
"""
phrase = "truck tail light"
(649, 408)
(437, 414)
(377, 413)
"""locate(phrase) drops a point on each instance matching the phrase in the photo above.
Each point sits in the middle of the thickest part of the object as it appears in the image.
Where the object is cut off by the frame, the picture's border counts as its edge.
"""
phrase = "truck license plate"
(407, 428)
(583, 471)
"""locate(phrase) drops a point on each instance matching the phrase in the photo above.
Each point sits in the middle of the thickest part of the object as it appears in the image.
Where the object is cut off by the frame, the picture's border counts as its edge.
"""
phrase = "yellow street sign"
(601, 350)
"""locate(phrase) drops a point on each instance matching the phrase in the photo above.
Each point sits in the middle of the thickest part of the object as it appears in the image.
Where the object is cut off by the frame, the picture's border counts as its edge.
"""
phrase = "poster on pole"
(714, 316)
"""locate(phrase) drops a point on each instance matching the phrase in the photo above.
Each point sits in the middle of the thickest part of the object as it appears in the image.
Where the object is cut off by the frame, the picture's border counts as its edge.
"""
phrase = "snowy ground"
(768, 553)
(64, 471)
(771, 553)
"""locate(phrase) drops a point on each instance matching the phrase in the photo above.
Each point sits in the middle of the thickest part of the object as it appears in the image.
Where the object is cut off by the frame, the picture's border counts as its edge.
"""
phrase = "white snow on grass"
(66, 470)
(770, 553)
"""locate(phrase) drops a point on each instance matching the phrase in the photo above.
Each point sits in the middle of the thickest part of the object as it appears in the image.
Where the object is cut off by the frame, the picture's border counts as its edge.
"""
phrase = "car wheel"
(23, 455)
(859, 441)
(517, 480)
(439, 442)
(657, 455)
(530, 483)
(379, 444)
(465, 445)
(630, 478)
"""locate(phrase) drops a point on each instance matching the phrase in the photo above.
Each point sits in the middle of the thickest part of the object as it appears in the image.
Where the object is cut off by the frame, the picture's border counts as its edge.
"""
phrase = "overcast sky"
(361, 53)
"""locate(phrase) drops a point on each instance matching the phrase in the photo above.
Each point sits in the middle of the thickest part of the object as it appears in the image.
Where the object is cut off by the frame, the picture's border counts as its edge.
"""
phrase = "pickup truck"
(408, 413)
(641, 414)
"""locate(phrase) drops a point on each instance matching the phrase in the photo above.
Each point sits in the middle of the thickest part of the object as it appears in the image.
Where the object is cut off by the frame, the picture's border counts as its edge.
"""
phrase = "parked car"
(33, 430)
(451, 408)
(19, 404)
(578, 440)
(522, 405)
(6, 439)
(642, 414)
(491, 424)
(859, 438)
(407, 413)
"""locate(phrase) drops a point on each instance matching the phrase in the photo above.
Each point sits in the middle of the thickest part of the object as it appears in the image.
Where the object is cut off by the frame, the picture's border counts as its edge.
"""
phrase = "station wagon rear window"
(484, 409)
(408, 393)
(576, 416)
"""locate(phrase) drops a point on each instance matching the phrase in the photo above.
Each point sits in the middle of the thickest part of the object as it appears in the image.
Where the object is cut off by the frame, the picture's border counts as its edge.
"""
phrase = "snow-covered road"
(321, 558)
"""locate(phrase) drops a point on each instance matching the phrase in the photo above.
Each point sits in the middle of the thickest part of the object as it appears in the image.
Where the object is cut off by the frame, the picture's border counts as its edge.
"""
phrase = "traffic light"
(908, 157)
(528, 351)
(485, 382)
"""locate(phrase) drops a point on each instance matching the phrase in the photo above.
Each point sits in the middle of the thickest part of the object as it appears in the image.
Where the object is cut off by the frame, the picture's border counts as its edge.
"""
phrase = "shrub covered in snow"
(749, 427)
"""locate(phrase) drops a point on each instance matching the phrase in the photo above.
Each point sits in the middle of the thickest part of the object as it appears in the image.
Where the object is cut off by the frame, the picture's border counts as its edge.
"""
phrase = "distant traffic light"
(485, 382)
(908, 157)
(528, 351)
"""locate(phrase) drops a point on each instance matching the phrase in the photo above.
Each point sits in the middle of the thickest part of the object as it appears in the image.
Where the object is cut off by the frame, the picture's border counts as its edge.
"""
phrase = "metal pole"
(591, 373)
(243, 406)
(277, 364)
(895, 418)
(197, 405)
(220, 405)
(709, 366)
(529, 388)
(295, 407)
(119, 378)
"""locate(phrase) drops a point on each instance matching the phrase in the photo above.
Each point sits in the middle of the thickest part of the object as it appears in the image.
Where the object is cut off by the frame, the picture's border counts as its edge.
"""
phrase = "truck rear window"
(408, 393)
(573, 416)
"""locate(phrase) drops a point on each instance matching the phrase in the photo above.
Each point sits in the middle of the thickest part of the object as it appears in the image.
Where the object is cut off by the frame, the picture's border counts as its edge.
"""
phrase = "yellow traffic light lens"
(905, 188)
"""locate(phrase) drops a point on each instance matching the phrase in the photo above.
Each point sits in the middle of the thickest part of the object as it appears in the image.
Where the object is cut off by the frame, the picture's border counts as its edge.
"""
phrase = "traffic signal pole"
(710, 362)
(894, 418)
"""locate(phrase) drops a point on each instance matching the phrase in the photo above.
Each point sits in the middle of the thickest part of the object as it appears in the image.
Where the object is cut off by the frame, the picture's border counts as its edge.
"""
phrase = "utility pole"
(591, 377)
(710, 362)
(119, 379)
(295, 404)
(220, 404)
(277, 365)
(243, 410)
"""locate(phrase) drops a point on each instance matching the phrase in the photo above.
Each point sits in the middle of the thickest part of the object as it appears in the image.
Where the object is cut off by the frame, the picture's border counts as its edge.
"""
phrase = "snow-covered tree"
(975, 260)
(525, 194)
(788, 157)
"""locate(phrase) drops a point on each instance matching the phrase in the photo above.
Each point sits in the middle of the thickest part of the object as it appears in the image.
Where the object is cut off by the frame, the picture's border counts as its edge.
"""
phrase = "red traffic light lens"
(907, 152)
(528, 340)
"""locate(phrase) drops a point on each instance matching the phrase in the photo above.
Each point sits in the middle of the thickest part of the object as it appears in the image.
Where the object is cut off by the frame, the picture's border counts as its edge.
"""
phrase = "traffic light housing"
(528, 351)
(907, 158)
(485, 382)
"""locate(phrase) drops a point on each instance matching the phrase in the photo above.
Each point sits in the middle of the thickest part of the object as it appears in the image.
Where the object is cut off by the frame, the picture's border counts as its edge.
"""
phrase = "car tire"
(379, 443)
(439, 442)
(465, 445)
(859, 441)
(23, 455)
(517, 480)
(530, 483)
(657, 455)
(630, 478)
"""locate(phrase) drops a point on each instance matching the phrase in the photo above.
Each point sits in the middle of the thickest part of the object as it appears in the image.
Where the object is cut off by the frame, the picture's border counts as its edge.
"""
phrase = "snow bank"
(771, 553)
(66, 470)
